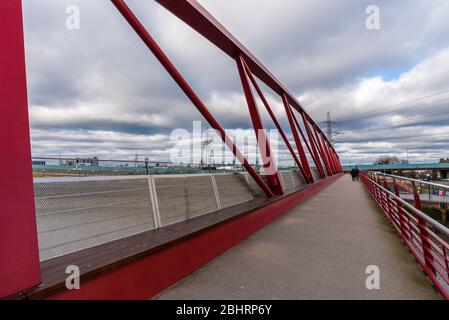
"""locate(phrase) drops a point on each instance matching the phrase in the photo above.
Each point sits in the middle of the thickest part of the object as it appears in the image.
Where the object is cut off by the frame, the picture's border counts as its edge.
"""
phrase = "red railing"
(427, 239)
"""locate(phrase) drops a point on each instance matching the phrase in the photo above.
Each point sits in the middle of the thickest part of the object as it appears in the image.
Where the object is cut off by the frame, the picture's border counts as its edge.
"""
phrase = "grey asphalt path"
(319, 250)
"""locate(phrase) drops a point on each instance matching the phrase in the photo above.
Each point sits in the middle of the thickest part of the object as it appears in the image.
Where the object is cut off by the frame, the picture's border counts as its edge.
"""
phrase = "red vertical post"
(19, 254)
(326, 152)
(309, 148)
(305, 164)
(317, 149)
(312, 144)
(331, 156)
(424, 234)
(272, 115)
(298, 127)
(400, 210)
(323, 154)
(261, 136)
(336, 160)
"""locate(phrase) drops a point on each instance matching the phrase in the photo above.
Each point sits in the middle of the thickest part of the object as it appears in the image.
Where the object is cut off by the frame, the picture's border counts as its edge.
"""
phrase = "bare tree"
(387, 160)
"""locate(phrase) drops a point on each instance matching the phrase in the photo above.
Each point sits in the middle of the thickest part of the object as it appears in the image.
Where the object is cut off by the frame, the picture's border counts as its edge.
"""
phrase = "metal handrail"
(414, 180)
(415, 228)
(419, 213)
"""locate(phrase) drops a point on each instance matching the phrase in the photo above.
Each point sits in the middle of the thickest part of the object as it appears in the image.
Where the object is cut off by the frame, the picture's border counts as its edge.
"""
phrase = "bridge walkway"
(318, 250)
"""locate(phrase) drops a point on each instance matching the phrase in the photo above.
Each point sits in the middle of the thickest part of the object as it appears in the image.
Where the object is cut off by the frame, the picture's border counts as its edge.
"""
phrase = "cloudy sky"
(99, 91)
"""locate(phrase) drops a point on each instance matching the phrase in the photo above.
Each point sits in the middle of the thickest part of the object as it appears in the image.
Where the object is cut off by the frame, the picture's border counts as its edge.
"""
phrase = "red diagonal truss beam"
(302, 155)
(194, 15)
(190, 93)
(273, 117)
(199, 19)
(261, 136)
(314, 151)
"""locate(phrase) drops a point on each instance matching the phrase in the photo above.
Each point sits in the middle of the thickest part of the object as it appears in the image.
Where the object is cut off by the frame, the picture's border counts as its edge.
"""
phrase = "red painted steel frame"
(273, 117)
(176, 75)
(19, 256)
(261, 136)
(326, 152)
(152, 274)
(305, 164)
(18, 235)
(317, 143)
(298, 126)
(314, 151)
(194, 15)
(199, 19)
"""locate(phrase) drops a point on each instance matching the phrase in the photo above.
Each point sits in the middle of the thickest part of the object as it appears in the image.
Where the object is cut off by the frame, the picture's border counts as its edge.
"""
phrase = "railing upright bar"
(400, 210)
(424, 235)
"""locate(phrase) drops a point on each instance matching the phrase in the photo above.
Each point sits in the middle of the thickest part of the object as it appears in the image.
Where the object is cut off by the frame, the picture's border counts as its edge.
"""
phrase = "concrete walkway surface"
(318, 250)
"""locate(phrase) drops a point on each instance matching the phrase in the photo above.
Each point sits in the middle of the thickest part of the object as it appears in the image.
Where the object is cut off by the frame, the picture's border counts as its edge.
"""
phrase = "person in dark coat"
(353, 174)
(357, 174)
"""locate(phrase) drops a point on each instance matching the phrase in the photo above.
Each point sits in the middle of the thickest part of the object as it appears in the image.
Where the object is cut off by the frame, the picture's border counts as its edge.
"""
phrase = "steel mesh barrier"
(254, 188)
(232, 189)
(288, 180)
(298, 179)
(315, 175)
(78, 213)
(183, 197)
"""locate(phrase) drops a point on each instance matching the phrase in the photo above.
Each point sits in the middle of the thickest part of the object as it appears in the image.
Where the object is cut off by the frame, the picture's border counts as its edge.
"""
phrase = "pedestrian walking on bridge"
(355, 174)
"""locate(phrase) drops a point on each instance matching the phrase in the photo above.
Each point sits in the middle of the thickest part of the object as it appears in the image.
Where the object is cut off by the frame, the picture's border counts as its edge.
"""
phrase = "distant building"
(38, 163)
(444, 160)
(94, 162)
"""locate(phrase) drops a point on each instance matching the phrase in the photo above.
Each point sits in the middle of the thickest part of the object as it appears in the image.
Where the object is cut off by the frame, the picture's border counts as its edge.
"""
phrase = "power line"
(404, 102)
(397, 138)
(422, 117)
(349, 117)
(415, 106)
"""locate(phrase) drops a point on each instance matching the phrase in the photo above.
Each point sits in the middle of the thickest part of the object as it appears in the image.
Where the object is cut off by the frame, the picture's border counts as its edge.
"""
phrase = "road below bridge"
(318, 250)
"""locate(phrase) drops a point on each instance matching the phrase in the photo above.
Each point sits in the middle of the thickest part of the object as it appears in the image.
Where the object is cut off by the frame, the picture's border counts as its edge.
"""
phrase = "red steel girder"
(321, 155)
(322, 152)
(305, 164)
(263, 142)
(327, 152)
(304, 138)
(190, 93)
(273, 117)
(314, 150)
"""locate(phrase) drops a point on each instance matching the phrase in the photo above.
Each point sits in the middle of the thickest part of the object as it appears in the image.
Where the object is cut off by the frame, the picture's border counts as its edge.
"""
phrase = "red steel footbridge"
(264, 233)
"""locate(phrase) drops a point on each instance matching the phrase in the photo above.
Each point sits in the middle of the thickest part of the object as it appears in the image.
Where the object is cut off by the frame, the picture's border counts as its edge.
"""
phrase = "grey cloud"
(103, 79)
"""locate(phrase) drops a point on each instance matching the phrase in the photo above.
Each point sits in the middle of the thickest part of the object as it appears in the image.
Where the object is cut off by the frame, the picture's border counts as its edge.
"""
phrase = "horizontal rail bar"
(419, 213)
(415, 180)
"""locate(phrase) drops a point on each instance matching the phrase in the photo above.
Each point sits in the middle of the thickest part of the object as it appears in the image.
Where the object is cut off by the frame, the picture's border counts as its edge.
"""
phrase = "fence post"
(217, 195)
(154, 202)
(426, 247)
(400, 210)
